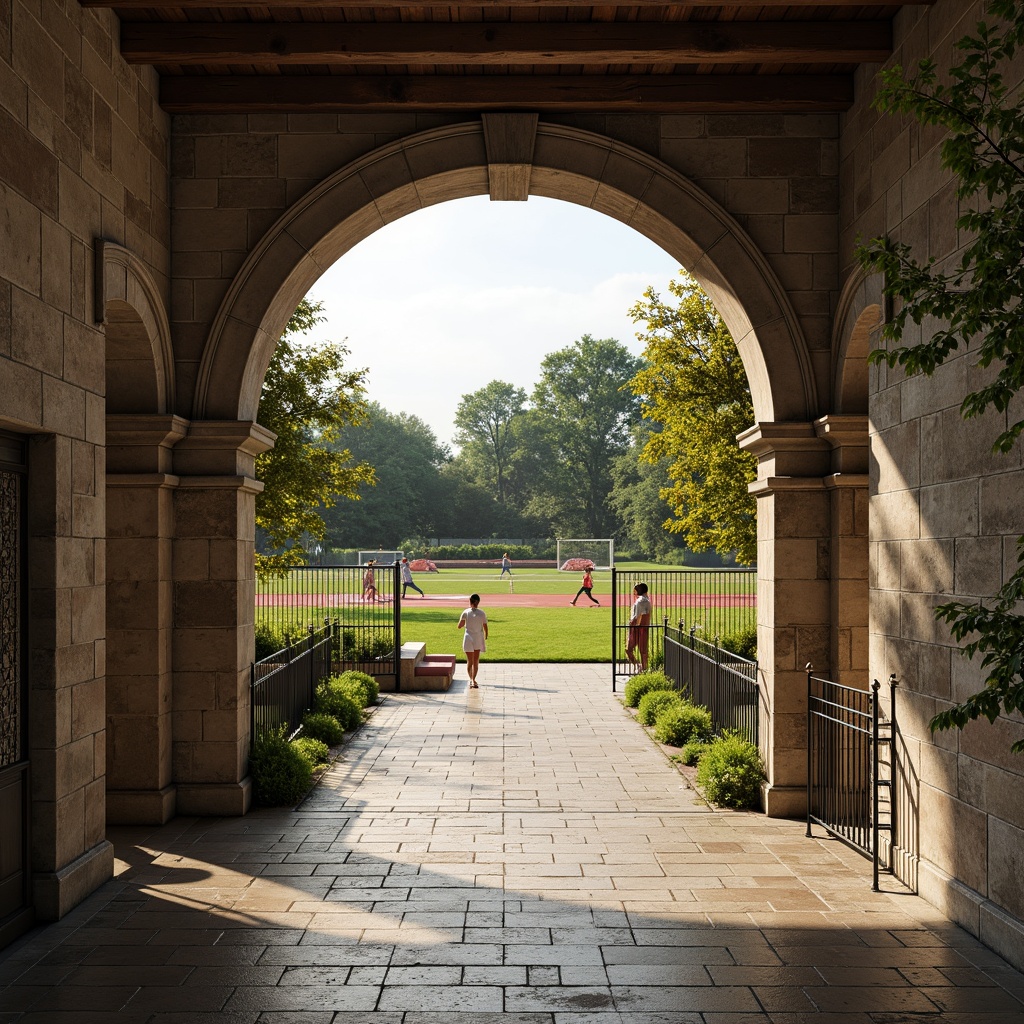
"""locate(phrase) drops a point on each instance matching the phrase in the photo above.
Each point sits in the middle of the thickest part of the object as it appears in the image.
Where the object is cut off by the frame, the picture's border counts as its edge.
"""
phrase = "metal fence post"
(809, 668)
(615, 627)
(875, 687)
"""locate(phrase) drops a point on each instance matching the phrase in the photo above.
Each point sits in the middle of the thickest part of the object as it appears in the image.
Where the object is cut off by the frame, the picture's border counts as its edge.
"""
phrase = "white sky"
(449, 298)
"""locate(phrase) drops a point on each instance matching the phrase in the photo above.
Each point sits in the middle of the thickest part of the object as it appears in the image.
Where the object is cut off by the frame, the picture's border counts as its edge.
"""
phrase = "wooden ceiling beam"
(195, 94)
(339, 43)
(127, 6)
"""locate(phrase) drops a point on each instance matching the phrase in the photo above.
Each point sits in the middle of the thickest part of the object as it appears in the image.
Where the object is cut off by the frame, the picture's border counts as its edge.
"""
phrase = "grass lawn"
(517, 634)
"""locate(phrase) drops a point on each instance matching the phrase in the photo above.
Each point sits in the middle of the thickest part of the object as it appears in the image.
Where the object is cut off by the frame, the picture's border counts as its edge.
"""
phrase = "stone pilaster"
(793, 597)
(214, 602)
(140, 528)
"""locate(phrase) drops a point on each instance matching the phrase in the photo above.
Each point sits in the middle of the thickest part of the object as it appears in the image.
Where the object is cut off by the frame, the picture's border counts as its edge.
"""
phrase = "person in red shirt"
(588, 586)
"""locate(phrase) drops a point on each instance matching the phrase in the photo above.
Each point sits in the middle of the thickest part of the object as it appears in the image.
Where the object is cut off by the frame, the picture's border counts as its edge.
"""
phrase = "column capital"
(848, 436)
(786, 450)
(221, 448)
(142, 443)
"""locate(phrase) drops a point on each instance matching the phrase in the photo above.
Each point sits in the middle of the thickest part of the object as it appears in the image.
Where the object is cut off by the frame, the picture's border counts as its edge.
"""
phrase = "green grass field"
(517, 634)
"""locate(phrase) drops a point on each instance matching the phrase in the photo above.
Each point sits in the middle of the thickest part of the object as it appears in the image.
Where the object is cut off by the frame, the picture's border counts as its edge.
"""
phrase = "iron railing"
(717, 601)
(850, 766)
(368, 625)
(720, 680)
(282, 685)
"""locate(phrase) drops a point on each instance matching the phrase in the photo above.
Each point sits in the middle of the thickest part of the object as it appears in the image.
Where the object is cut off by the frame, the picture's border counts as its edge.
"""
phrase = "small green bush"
(643, 683)
(325, 728)
(330, 699)
(314, 751)
(679, 725)
(742, 642)
(653, 703)
(365, 683)
(280, 773)
(692, 752)
(268, 641)
(730, 772)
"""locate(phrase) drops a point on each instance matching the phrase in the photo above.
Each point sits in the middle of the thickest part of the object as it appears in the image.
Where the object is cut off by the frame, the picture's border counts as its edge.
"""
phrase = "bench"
(422, 671)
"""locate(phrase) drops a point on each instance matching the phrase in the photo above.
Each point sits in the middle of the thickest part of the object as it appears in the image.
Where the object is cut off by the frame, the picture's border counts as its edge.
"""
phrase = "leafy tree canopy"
(484, 430)
(971, 299)
(693, 385)
(307, 396)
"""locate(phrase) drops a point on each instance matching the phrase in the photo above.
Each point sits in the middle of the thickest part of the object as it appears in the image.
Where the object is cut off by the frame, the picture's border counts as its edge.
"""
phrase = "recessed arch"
(140, 366)
(451, 163)
(859, 317)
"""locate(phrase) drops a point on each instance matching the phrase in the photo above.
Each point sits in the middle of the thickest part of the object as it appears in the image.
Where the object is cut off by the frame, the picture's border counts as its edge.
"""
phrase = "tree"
(307, 396)
(693, 385)
(410, 490)
(484, 422)
(976, 298)
(585, 413)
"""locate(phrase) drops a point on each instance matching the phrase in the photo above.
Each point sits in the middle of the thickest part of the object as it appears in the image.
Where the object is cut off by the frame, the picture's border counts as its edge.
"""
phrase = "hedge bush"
(331, 699)
(742, 642)
(692, 752)
(644, 682)
(281, 774)
(325, 728)
(678, 725)
(653, 703)
(362, 683)
(731, 772)
(314, 751)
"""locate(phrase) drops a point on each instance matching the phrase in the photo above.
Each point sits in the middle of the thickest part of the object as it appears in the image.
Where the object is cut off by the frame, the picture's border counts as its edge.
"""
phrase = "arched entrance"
(509, 157)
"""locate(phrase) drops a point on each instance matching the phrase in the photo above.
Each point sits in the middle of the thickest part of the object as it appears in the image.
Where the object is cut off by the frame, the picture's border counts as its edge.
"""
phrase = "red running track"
(503, 600)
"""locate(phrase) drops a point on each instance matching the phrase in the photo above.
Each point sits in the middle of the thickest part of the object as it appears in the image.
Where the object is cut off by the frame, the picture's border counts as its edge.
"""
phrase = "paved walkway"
(522, 849)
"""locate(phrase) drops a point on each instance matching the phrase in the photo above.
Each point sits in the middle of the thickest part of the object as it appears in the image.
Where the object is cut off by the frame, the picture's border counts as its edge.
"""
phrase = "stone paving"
(522, 850)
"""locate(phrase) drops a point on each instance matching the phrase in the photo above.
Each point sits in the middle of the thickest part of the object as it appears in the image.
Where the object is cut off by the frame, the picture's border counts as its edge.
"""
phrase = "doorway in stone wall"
(15, 891)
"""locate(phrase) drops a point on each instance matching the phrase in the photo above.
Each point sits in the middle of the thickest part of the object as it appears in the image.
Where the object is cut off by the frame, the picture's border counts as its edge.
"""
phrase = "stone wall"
(944, 516)
(83, 155)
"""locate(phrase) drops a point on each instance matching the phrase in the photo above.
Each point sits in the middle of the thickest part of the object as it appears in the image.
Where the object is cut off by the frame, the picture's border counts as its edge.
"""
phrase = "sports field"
(530, 616)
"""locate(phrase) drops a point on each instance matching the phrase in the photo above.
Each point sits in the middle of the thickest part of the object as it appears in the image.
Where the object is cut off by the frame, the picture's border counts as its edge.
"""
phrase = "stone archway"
(509, 157)
(454, 162)
(141, 431)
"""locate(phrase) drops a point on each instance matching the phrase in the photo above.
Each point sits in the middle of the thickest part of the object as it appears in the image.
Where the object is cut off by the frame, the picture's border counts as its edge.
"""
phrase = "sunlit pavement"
(522, 849)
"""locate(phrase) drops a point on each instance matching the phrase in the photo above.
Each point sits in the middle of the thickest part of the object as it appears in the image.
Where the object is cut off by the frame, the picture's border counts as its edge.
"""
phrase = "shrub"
(280, 773)
(364, 683)
(325, 728)
(742, 642)
(331, 700)
(268, 641)
(314, 751)
(692, 752)
(682, 723)
(643, 683)
(656, 660)
(730, 772)
(653, 703)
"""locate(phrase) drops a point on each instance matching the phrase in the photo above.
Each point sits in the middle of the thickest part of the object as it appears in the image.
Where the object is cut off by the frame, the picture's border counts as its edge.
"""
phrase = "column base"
(784, 801)
(141, 806)
(54, 893)
(221, 800)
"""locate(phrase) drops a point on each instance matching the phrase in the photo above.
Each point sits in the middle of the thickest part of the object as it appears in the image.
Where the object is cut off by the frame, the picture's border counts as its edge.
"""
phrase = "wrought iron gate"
(15, 906)
(850, 767)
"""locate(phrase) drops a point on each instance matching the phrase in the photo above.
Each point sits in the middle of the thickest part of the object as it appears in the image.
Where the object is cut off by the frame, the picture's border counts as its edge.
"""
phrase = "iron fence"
(716, 602)
(850, 766)
(362, 601)
(720, 680)
(282, 685)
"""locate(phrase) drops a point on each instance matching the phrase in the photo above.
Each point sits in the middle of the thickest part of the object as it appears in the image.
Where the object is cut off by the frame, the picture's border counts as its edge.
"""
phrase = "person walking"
(474, 642)
(407, 578)
(587, 588)
(369, 582)
(506, 565)
(639, 628)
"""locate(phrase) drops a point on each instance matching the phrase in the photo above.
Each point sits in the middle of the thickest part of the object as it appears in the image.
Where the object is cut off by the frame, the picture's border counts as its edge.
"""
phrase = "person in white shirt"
(474, 621)
(639, 628)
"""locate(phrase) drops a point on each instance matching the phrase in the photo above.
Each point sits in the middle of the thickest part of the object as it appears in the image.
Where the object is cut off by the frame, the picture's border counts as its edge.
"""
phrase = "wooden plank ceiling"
(227, 56)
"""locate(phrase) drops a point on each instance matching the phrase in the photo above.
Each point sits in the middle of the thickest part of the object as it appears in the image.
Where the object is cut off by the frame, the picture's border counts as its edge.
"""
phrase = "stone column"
(214, 611)
(793, 597)
(847, 485)
(140, 528)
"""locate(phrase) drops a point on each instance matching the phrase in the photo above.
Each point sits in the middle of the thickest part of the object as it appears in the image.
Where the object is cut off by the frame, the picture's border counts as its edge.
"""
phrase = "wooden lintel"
(550, 93)
(509, 140)
(432, 43)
